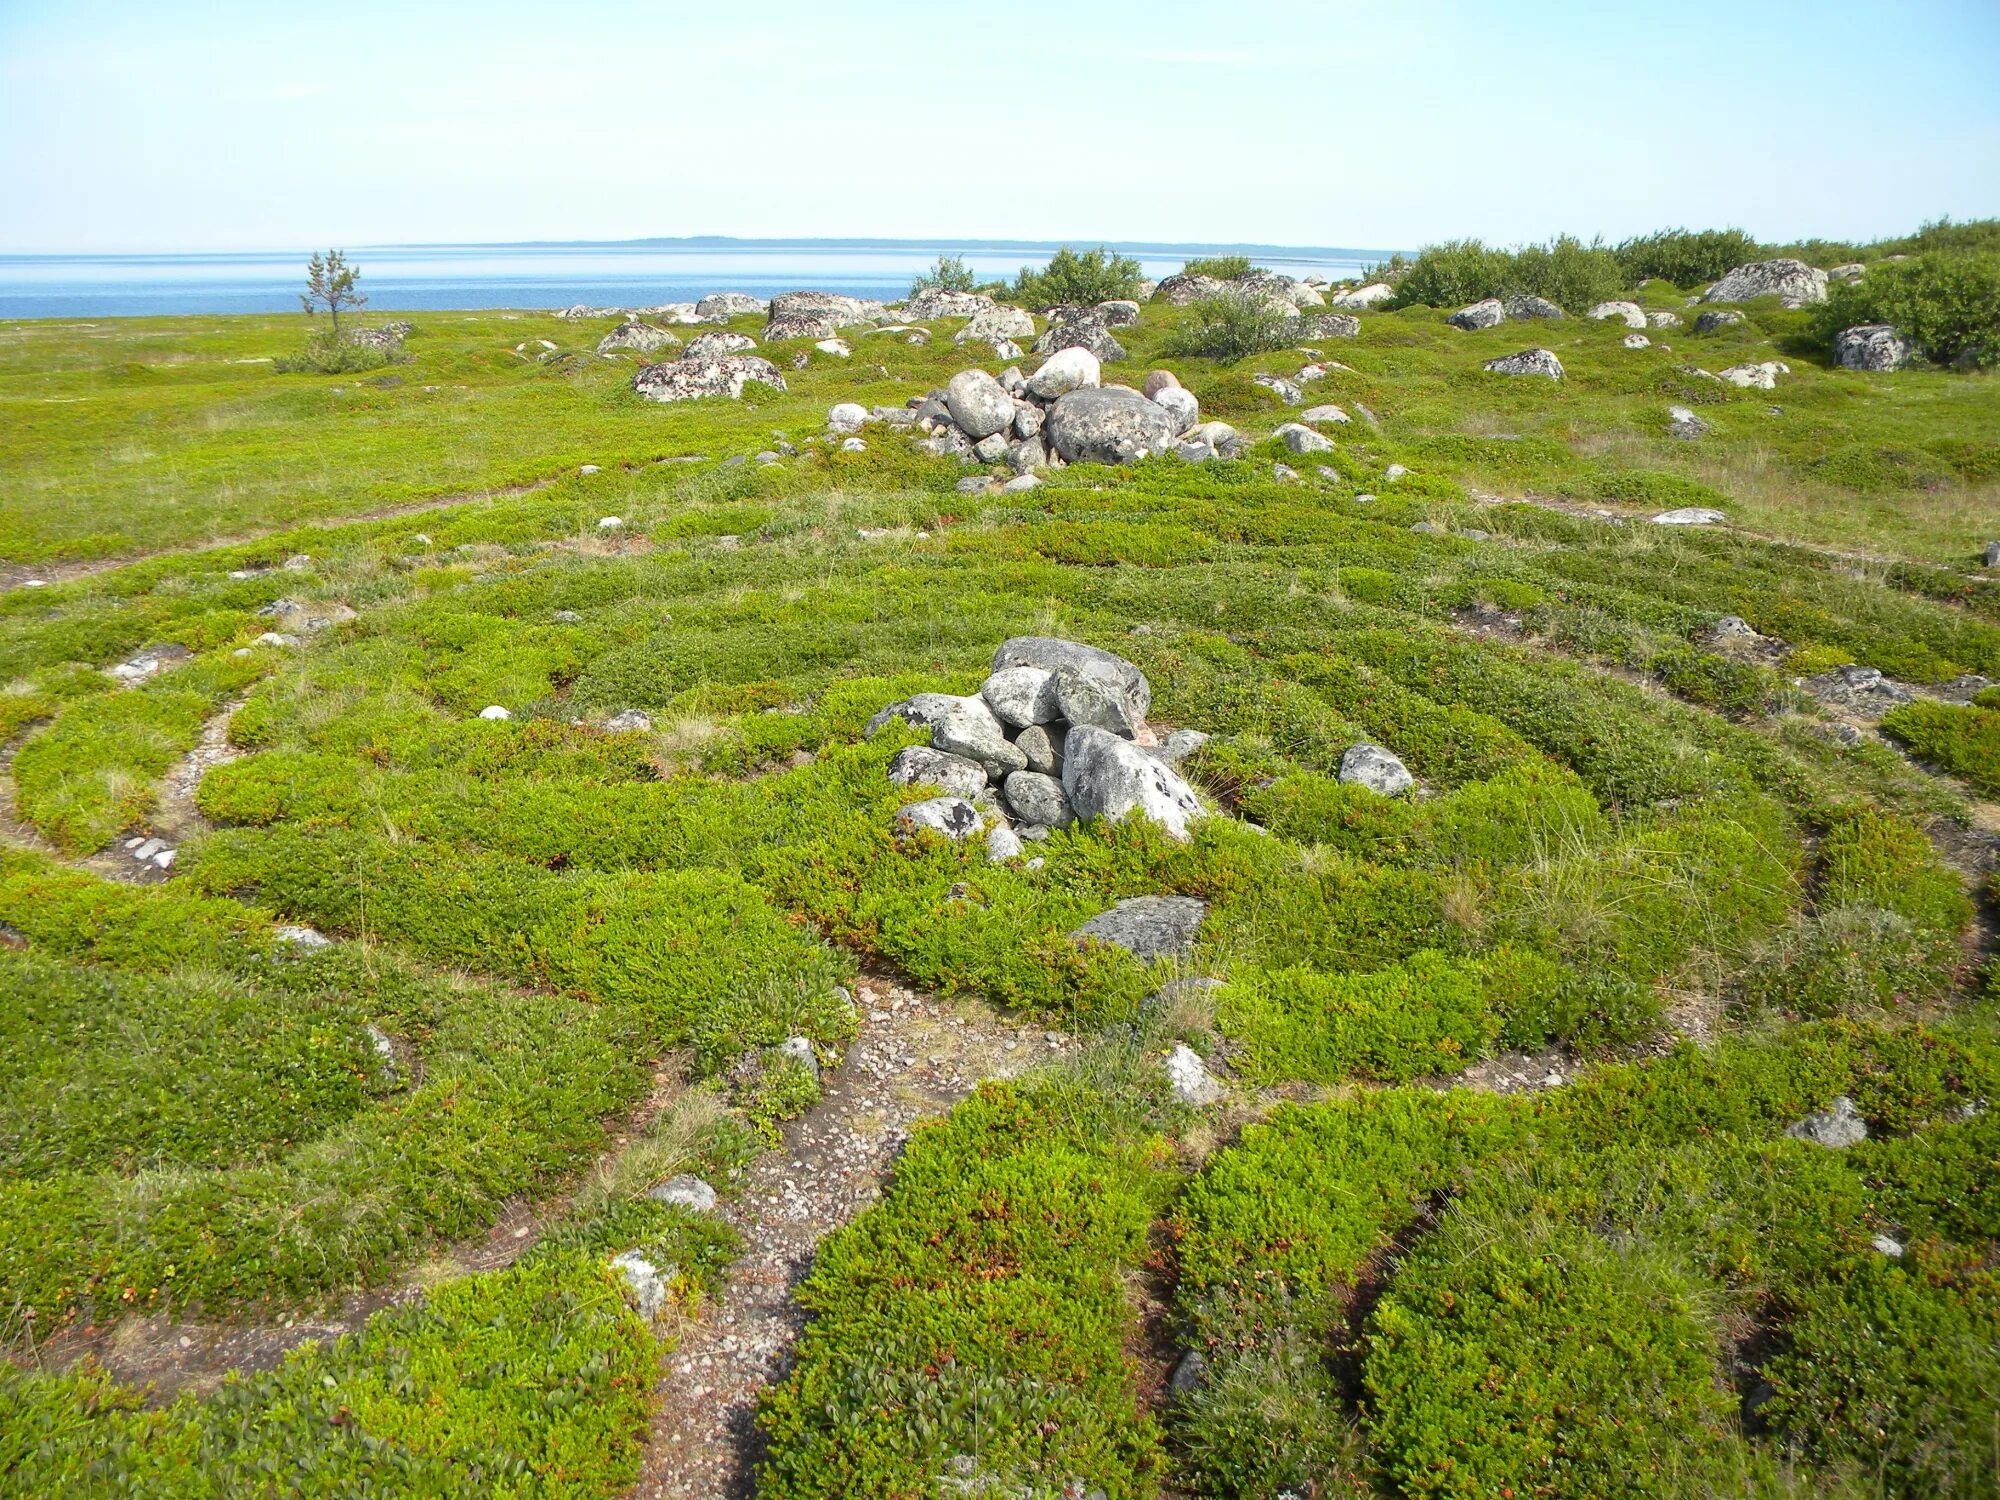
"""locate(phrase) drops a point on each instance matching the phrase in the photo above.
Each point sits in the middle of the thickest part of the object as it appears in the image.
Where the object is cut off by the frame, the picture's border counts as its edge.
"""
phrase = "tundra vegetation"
(1611, 1112)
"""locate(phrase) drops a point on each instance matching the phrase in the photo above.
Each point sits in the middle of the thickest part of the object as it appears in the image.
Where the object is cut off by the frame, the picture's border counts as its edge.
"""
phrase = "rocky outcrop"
(936, 302)
(693, 379)
(1792, 281)
(814, 315)
(1872, 346)
(996, 324)
(1527, 362)
(1329, 326)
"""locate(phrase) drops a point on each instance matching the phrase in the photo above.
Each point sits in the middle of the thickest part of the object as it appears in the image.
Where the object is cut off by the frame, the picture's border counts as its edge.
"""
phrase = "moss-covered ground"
(1655, 854)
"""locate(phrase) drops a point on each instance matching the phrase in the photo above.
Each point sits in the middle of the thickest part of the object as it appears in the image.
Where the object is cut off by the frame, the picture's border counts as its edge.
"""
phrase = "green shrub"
(1947, 305)
(1230, 327)
(1567, 272)
(1453, 273)
(1849, 960)
(327, 353)
(1086, 276)
(948, 273)
(1220, 267)
(1962, 740)
(1685, 257)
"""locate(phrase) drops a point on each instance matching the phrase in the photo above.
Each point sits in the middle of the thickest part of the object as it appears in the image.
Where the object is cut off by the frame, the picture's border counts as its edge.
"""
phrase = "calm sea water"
(628, 274)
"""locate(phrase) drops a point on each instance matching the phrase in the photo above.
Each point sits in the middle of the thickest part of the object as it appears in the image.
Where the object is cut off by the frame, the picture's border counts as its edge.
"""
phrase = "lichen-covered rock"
(1331, 414)
(1631, 314)
(1119, 312)
(686, 1191)
(951, 817)
(1188, 1077)
(1089, 699)
(717, 306)
(644, 1282)
(996, 324)
(1108, 426)
(936, 302)
(1376, 768)
(1078, 328)
(1758, 377)
(717, 343)
(923, 765)
(1038, 799)
(1836, 1127)
(1523, 306)
(1183, 289)
(1052, 654)
(846, 416)
(1285, 390)
(812, 315)
(1684, 424)
(1043, 745)
(1329, 326)
(1301, 439)
(1181, 405)
(1663, 320)
(967, 727)
(1486, 314)
(1527, 362)
(1021, 696)
(694, 379)
(1690, 515)
(1791, 280)
(642, 338)
(1109, 777)
(979, 404)
(1714, 318)
(1362, 298)
(1872, 346)
(1636, 341)
(1147, 927)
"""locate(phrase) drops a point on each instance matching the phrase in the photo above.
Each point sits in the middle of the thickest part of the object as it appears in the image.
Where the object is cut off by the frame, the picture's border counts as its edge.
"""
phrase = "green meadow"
(1658, 863)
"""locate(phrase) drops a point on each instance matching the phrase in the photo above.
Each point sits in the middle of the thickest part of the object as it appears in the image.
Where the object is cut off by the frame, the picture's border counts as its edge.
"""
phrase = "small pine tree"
(330, 284)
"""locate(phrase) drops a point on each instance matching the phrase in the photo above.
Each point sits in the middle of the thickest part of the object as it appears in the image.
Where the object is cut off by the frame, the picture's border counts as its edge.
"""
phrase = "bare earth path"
(915, 1057)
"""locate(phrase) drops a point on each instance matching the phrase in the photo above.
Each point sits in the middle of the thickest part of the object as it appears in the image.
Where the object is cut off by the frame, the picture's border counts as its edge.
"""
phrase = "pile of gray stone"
(1056, 733)
(1065, 414)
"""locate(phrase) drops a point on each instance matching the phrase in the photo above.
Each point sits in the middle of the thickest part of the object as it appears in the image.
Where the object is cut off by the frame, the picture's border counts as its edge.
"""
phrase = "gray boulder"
(1021, 696)
(1872, 346)
(641, 337)
(719, 305)
(1053, 654)
(1379, 770)
(1362, 298)
(719, 342)
(1064, 371)
(1043, 745)
(1301, 439)
(1330, 326)
(1487, 314)
(1836, 1127)
(1522, 306)
(812, 315)
(924, 710)
(995, 324)
(694, 379)
(1108, 426)
(1528, 362)
(685, 1191)
(1631, 314)
(1079, 328)
(967, 727)
(1038, 799)
(1119, 312)
(953, 817)
(1690, 515)
(1684, 424)
(1090, 700)
(1189, 1078)
(1147, 927)
(936, 302)
(1758, 377)
(1792, 280)
(645, 1283)
(1182, 289)
(1181, 405)
(1716, 318)
(921, 765)
(979, 404)
(1109, 777)
(1331, 414)
(1663, 320)
(1285, 390)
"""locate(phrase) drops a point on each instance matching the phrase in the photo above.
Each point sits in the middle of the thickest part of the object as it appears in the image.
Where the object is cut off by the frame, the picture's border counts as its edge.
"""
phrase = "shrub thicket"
(1685, 257)
(1230, 327)
(948, 273)
(330, 353)
(1221, 267)
(1947, 304)
(1566, 271)
(1078, 276)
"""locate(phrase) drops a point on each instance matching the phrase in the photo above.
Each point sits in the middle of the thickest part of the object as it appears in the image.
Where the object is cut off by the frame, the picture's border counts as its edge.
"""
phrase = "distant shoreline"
(530, 276)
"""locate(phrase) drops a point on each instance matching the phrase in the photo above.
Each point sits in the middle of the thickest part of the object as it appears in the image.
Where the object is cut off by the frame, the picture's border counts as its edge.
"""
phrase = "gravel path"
(915, 1057)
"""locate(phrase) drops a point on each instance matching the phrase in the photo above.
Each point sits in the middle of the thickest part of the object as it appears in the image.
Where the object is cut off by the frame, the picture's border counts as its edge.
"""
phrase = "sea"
(627, 273)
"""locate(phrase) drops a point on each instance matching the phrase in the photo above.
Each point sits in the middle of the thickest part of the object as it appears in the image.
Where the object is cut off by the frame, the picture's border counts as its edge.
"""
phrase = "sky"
(268, 124)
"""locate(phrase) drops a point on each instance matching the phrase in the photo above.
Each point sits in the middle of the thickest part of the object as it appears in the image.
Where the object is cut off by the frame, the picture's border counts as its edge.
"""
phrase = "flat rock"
(952, 817)
(1836, 1127)
(687, 1191)
(1690, 515)
(1147, 927)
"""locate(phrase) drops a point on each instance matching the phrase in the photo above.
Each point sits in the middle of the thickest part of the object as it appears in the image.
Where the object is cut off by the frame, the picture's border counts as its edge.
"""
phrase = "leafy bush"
(1230, 327)
(1685, 257)
(1946, 304)
(1962, 740)
(1221, 267)
(1453, 273)
(1078, 276)
(329, 353)
(948, 273)
(1566, 271)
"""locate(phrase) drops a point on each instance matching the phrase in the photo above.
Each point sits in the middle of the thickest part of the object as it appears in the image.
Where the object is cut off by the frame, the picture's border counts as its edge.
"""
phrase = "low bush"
(1566, 271)
(1220, 267)
(1946, 304)
(1086, 276)
(328, 353)
(1233, 326)
(948, 273)
(1962, 740)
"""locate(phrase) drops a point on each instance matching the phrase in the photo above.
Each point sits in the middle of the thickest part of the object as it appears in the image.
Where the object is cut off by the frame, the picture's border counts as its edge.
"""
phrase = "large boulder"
(717, 306)
(1052, 654)
(952, 817)
(1109, 777)
(1064, 371)
(1872, 346)
(1528, 362)
(1791, 280)
(979, 404)
(1108, 426)
(1479, 315)
(1147, 927)
(718, 343)
(1087, 699)
(693, 379)
(1631, 314)
(996, 324)
(920, 765)
(935, 302)
(1362, 298)
(1079, 328)
(1119, 312)
(1182, 289)
(1524, 306)
(642, 337)
(967, 727)
(1381, 771)
(1021, 696)
(1038, 799)
(1181, 405)
(812, 315)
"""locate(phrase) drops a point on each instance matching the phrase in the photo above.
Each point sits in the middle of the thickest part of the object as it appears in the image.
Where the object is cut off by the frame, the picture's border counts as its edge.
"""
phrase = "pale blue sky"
(221, 124)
